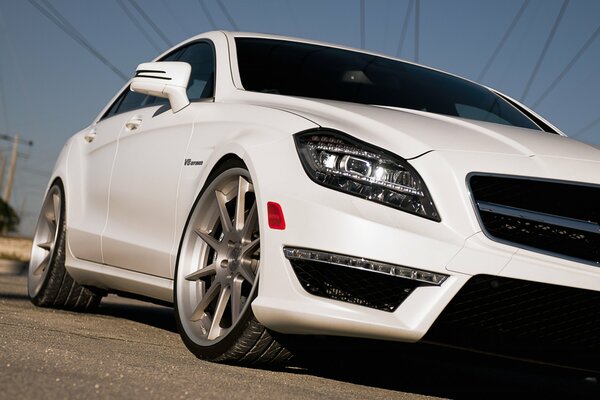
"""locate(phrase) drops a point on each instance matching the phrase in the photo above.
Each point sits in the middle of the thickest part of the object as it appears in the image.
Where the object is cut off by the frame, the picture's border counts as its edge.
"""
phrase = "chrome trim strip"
(581, 225)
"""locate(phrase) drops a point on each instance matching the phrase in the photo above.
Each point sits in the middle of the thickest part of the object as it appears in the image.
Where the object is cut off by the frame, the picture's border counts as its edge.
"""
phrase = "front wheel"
(217, 274)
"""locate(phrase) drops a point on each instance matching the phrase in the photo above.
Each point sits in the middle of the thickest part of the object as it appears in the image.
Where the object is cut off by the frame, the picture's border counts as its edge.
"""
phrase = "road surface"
(127, 349)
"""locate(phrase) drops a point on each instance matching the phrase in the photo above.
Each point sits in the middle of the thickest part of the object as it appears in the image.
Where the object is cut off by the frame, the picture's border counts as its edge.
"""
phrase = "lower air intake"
(351, 285)
(523, 319)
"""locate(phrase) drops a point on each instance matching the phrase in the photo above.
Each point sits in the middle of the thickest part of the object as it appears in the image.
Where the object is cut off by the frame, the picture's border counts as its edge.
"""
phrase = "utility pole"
(13, 163)
(11, 170)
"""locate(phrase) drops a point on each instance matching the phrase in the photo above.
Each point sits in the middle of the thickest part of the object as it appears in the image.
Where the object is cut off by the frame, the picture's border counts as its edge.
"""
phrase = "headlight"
(348, 165)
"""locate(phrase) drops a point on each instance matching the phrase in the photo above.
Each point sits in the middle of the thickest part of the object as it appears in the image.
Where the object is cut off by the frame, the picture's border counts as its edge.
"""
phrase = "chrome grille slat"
(557, 218)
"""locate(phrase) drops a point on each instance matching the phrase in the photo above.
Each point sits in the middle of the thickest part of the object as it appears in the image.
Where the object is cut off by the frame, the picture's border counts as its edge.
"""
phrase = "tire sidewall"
(56, 263)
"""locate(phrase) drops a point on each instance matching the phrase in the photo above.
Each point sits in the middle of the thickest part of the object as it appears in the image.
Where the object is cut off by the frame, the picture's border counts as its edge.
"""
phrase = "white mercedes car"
(266, 185)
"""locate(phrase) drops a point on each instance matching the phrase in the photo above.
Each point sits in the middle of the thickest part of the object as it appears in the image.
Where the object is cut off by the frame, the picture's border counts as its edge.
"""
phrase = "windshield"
(300, 69)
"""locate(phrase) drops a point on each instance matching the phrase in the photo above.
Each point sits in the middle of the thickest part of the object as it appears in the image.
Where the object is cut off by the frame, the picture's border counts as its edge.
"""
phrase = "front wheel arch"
(245, 340)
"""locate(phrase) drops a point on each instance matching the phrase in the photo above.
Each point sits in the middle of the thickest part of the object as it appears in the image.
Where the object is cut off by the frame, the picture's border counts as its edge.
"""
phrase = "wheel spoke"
(50, 218)
(240, 203)
(251, 247)
(246, 273)
(236, 298)
(56, 204)
(251, 219)
(201, 273)
(208, 297)
(215, 327)
(224, 214)
(209, 240)
(46, 246)
(42, 265)
(50, 221)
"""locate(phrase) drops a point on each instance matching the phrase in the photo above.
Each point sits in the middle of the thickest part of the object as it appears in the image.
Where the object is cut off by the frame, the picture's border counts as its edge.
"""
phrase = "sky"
(545, 53)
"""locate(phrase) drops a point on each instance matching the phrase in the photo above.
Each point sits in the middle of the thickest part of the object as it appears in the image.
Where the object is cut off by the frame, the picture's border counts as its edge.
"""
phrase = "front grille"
(523, 319)
(351, 285)
(555, 217)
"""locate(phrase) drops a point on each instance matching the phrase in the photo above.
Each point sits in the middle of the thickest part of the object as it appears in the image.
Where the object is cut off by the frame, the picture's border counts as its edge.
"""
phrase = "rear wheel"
(48, 282)
(217, 274)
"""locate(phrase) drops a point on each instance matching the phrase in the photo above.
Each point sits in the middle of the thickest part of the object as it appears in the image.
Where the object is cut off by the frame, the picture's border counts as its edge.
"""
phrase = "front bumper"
(322, 219)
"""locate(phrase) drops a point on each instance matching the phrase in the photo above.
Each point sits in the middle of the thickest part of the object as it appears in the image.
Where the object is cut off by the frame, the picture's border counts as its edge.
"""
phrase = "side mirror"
(168, 79)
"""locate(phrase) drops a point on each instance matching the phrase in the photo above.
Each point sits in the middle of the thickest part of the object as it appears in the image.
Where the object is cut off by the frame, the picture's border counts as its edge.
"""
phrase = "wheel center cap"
(235, 257)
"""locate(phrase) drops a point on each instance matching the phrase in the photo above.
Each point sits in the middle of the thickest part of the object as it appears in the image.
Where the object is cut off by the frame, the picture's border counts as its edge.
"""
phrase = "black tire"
(245, 340)
(48, 282)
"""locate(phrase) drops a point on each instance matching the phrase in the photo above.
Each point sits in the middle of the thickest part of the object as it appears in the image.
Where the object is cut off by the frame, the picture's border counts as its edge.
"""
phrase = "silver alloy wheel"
(44, 241)
(219, 259)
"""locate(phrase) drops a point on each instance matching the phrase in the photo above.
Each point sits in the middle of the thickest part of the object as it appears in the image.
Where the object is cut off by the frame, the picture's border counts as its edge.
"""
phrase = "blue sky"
(51, 86)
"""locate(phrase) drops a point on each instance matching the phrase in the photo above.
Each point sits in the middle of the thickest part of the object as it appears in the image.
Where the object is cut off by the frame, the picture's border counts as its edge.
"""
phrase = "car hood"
(410, 133)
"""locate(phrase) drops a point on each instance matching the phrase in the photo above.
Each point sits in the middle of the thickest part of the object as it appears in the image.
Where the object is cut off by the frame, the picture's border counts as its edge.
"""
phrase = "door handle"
(133, 123)
(90, 136)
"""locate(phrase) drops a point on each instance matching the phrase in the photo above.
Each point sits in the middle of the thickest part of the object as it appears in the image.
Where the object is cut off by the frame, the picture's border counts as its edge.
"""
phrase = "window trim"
(544, 126)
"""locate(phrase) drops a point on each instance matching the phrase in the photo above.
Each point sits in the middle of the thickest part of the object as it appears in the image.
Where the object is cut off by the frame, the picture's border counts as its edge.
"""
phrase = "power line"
(57, 19)
(227, 15)
(362, 24)
(404, 27)
(13, 139)
(502, 42)
(545, 49)
(562, 74)
(417, 19)
(154, 27)
(211, 21)
(138, 25)
(63, 23)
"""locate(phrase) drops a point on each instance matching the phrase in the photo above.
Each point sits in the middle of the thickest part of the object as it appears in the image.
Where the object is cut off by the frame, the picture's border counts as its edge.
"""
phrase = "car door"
(140, 231)
(95, 162)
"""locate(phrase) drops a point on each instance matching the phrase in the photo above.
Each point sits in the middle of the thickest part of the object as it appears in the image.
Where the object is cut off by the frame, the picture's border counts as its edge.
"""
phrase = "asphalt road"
(128, 349)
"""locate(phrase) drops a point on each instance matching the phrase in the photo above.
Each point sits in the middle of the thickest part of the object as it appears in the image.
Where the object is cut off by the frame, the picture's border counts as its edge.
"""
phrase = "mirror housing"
(167, 79)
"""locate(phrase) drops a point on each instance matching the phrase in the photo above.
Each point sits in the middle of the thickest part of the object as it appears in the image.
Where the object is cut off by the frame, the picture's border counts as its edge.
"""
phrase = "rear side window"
(199, 55)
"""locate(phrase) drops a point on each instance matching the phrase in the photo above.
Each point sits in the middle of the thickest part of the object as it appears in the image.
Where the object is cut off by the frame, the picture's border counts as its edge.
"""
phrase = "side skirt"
(118, 280)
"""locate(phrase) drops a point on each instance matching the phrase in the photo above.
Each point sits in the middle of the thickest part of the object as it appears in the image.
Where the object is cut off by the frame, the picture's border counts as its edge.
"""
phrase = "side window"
(113, 108)
(201, 57)
(127, 101)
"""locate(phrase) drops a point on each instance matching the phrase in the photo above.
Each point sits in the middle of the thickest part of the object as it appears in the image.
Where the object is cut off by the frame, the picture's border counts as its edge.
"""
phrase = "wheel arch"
(258, 147)
(60, 175)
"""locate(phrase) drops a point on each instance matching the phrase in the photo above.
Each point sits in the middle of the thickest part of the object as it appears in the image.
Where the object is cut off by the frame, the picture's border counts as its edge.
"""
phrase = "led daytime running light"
(399, 188)
(360, 153)
(361, 263)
